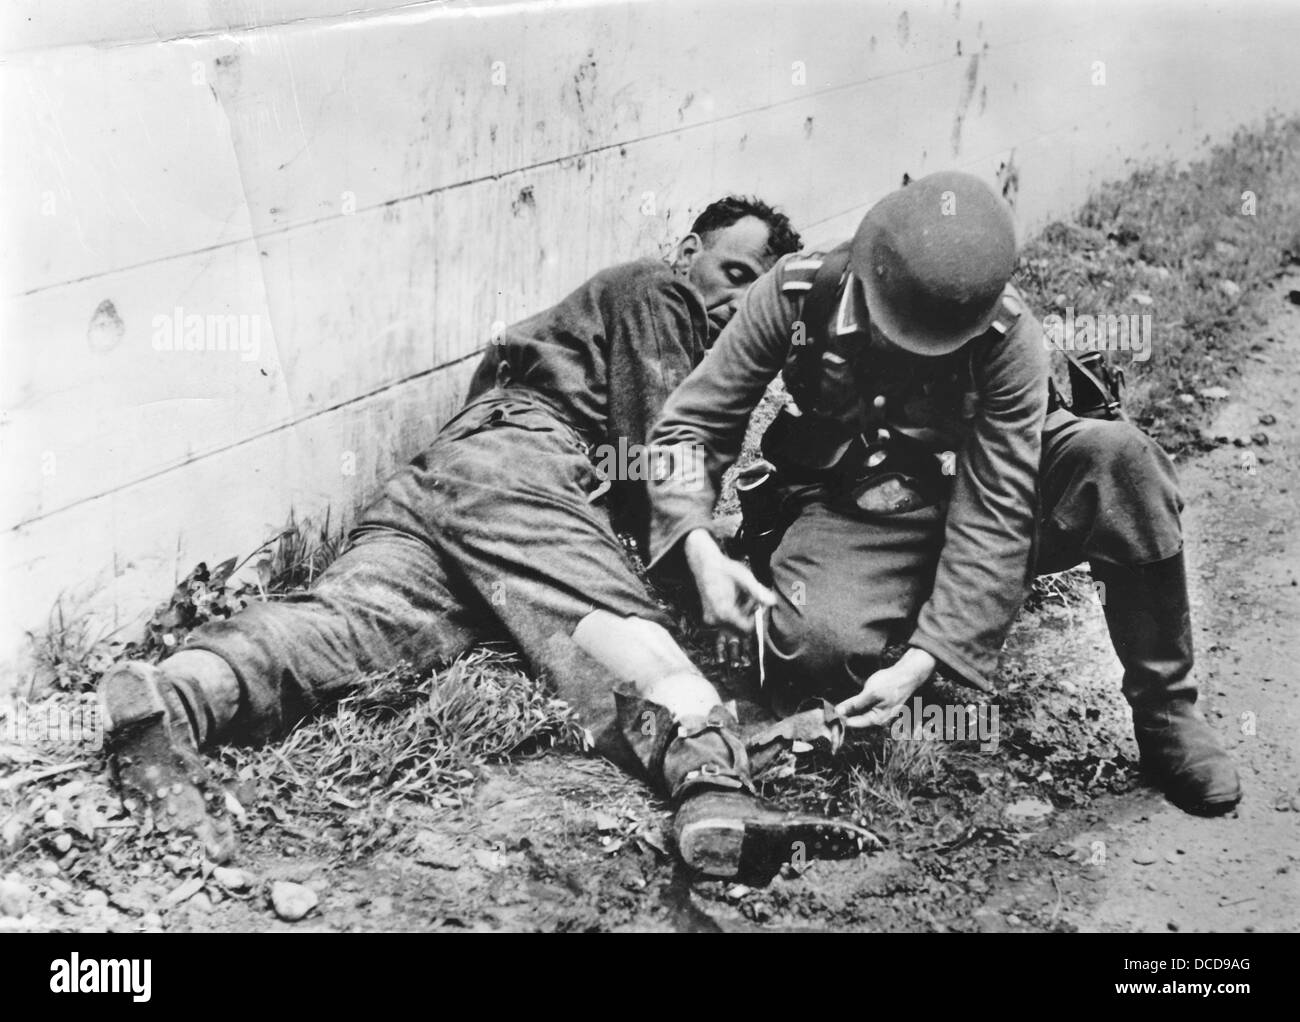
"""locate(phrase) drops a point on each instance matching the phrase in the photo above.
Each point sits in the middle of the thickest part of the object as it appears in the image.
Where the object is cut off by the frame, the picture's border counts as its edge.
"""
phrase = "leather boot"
(721, 828)
(1150, 626)
(156, 720)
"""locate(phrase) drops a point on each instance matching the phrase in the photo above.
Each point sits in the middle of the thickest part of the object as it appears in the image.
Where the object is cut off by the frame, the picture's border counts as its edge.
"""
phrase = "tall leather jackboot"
(721, 828)
(156, 719)
(1151, 629)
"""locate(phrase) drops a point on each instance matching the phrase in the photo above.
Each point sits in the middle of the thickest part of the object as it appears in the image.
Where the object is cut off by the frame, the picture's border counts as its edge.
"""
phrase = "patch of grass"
(874, 778)
(286, 563)
(402, 736)
(1072, 588)
(1177, 244)
(298, 555)
(878, 778)
(894, 772)
(416, 738)
(70, 653)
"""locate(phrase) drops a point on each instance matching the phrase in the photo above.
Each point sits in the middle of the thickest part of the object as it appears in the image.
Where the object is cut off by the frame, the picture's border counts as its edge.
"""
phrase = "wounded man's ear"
(687, 249)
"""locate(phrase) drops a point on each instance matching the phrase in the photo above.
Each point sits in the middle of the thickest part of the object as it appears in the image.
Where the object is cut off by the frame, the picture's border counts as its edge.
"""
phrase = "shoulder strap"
(1106, 384)
(816, 313)
(1010, 308)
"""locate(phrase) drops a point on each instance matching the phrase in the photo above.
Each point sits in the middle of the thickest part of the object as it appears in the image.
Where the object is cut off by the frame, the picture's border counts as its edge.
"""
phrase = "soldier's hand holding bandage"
(887, 691)
(729, 595)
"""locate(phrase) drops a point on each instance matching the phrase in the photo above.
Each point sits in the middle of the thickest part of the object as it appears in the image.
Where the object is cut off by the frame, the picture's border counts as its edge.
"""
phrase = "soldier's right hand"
(729, 592)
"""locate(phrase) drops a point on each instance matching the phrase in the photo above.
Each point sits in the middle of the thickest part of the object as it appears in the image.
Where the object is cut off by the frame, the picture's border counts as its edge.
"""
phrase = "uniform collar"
(851, 314)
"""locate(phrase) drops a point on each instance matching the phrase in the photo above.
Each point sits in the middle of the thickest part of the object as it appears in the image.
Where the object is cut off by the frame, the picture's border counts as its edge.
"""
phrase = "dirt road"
(1243, 526)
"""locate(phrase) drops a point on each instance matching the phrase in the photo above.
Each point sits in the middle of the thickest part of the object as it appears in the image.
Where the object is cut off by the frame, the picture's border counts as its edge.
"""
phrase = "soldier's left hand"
(886, 691)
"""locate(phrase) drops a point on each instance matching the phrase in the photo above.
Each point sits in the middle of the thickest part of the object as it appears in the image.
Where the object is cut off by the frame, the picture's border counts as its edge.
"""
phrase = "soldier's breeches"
(849, 587)
(1109, 494)
(846, 588)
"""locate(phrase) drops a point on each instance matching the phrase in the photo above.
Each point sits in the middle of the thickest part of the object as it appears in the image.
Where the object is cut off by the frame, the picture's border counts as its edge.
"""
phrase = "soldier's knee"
(1124, 460)
(807, 645)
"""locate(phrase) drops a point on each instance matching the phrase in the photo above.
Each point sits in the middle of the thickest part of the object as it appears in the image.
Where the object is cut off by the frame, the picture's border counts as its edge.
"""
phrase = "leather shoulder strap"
(816, 313)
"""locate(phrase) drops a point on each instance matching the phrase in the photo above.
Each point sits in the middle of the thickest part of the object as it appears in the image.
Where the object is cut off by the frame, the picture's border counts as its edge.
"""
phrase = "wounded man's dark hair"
(782, 238)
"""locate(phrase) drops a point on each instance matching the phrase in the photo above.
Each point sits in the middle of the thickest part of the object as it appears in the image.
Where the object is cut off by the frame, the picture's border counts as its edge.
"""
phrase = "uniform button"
(876, 458)
(879, 402)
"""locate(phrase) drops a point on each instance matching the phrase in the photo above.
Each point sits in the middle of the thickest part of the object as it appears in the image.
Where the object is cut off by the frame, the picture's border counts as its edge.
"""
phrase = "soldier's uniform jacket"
(980, 411)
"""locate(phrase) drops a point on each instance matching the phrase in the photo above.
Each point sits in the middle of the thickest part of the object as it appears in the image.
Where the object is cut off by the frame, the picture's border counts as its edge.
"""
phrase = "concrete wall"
(368, 193)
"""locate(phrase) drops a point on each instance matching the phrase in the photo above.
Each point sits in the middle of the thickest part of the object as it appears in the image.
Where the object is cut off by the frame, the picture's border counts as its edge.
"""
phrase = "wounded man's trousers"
(849, 589)
(488, 534)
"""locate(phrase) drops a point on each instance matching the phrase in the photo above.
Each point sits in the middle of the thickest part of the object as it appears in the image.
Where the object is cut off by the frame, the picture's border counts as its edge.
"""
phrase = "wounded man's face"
(724, 264)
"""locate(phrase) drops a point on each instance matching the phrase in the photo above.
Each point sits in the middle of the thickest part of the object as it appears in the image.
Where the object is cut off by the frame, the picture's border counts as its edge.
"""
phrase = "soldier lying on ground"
(926, 478)
(493, 530)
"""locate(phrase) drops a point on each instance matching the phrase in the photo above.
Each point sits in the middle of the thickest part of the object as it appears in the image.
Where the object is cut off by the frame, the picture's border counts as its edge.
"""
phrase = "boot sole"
(1211, 808)
(725, 848)
(1206, 806)
(164, 774)
(1217, 805)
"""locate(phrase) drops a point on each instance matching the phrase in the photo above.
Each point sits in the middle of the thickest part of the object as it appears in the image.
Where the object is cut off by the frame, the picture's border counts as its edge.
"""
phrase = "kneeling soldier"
(925, 479)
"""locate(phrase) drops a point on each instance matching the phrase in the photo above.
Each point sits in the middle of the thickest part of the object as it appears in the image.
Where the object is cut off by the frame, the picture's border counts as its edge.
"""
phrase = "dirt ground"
(1240, 872)
(1050, 832)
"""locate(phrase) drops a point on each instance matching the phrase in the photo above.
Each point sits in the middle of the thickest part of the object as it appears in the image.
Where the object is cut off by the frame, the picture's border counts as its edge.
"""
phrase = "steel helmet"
(933, 259)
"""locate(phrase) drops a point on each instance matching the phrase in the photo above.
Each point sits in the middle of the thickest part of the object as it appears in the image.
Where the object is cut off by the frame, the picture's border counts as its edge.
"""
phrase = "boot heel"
(713, 847)
(155, 760)
(129, 699)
